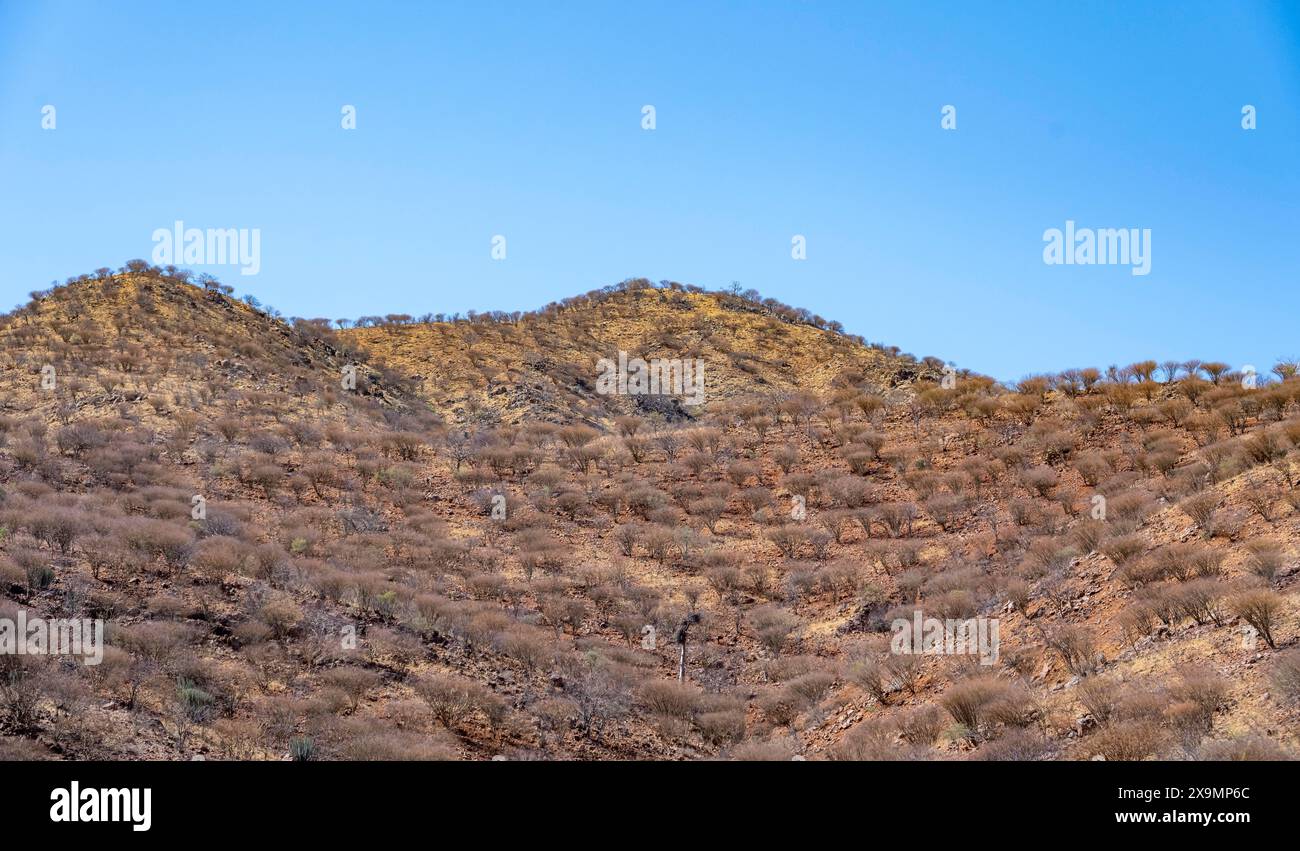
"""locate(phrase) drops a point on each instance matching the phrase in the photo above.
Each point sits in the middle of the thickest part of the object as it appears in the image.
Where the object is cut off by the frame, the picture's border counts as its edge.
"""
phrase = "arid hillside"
(436, 539)
(498, 368)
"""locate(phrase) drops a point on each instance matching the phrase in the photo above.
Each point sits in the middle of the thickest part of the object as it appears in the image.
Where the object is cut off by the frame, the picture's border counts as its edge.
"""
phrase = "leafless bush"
(897, 517)
(922, 725)
(773, 626)
(1197, 695)
(1092, 467)
(1123, 548)
(946, 509)
(1261, 498)
(722, 726)
(1247, 748)
(363, 740)
(757, 751)
(1266, 558)
(786, 457)
(968, 701)
(1259, 608)
(354, 682)
(1199, 599)
(1127, 740)
(1019, 745)
(1077, 647)
(873, 740)
(1202, 508)
(1286, 674)
(21, 692)
(453, 699)
(669, 698)
(812, 686)
(1089, 535)
(157, 539)
(1039, 480)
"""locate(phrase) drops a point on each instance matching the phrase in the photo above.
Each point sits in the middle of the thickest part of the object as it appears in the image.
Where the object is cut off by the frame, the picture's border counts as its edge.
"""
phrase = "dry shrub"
(214, 558)
(1100, 696)
(353, 682)
(1261, 498)
(15, 749)
(722, 726)
(1020, 745)
(873, 740)
(771, 751)
(968, 701)
(23, 682)
(1229, 525)
(1025, 512)
(779, 706)
(922, 725)
(281, 615)
(555, 715)
(366, 740)
(1132, 740)
(1203, 691)
(1018, 592)
(787, 539)
(1199, 599)
(946, 510)
(1126, 510)
(1124, 548)
(1092, 467)
(786, 457)
(1202, 508)
(57, 528)
(526, 645)
(11, 575)
(1039, 480)
(1179, 561)
(168, 606)
(1141, 702)
(1088, 535)
(1266, 558)
(157, 539)
(774, 626)
(880, 679)
(1142, 572)
(1286, 675)
(1260, 608)
(453, 699)
(1247, 748)
(156, 641)
(897, 518)
(1014, 707)
(812, 686)
(669, 698)
(1077, 647)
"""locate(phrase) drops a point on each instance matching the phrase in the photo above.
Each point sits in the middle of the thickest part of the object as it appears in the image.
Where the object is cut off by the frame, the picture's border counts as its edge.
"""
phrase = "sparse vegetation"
(474, 553)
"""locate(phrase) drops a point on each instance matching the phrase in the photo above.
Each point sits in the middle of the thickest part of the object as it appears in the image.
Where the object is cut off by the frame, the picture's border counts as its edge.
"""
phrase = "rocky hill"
(440, 540)
(543, 365)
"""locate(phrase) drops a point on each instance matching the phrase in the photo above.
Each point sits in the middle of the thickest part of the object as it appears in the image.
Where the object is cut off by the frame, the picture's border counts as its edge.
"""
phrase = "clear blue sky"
(773, 119)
